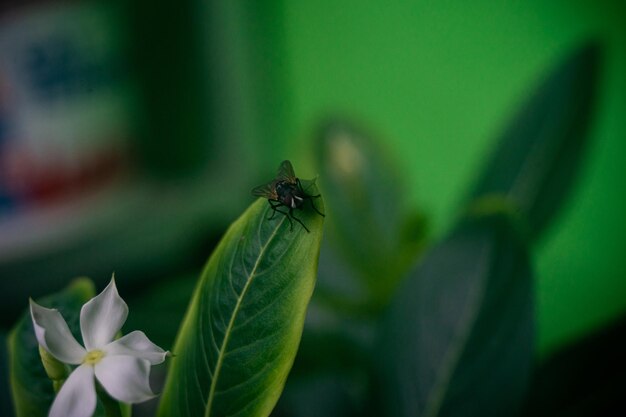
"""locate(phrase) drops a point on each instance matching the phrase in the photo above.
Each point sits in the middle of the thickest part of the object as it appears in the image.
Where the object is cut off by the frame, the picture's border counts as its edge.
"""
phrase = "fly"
(286, 191)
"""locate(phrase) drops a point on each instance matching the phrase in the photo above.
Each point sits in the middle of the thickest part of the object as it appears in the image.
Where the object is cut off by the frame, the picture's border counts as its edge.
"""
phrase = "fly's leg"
(309, 197)
(304, 192)
(315, 208)
(298, 220)
(273, 205)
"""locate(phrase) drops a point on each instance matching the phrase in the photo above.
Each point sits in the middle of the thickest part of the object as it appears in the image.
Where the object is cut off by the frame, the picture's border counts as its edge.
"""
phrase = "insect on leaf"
(243, 326)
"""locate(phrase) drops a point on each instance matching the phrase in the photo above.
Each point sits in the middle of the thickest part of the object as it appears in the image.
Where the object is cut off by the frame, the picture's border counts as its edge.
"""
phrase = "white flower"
(121, 366)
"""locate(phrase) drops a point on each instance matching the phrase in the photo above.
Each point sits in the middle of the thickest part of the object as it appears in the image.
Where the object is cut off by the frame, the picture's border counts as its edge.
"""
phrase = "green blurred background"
(438, 81)
(221, 92)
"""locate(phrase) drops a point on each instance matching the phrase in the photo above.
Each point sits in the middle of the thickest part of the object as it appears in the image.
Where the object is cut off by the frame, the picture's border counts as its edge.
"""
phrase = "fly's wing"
(266, 190)
(285, 172)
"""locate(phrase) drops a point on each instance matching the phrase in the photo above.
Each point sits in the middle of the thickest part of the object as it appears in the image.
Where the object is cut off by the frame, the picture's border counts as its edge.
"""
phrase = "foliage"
(457, 337)
(243, 327)
(31, 388)
(395, 327)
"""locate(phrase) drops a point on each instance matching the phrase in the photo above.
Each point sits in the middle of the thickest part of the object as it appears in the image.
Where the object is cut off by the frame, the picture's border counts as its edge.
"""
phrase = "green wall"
(438, 81)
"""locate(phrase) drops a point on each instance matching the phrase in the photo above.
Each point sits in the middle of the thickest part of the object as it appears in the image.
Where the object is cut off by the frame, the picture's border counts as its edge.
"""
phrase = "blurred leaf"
(540, 152)
(330, 375)
(333, 341)
(160, 308)
(32, 390)
(366, 199)
(583, 379)
(241, 332)
(325, 393)
(338, 284)
(458, 340)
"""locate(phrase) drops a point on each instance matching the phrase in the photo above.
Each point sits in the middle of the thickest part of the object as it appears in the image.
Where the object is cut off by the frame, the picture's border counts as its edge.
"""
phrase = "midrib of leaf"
(220, 355)
(452, 357)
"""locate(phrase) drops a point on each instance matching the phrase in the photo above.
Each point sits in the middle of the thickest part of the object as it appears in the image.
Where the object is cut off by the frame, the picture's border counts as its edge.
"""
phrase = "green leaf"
(243, 326)
(458, 339)
(31, 389)
(540, 152)
(368, 209)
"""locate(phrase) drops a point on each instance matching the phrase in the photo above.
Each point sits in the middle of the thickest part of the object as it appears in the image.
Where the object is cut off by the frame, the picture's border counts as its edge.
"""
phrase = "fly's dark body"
(286, 191)
(290, 195)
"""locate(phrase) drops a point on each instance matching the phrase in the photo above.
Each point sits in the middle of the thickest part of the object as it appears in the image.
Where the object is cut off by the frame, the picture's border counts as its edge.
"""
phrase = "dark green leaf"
(331, 373)
(338, 284)
(325, 393)
(241, 332)
(332, 341)
(458, 340)
(32, 390)
(540, 152)
(585, 378)
(366, 200)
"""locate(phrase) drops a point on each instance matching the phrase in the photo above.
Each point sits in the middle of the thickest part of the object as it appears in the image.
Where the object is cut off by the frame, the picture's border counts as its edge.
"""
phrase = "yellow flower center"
(93, 357)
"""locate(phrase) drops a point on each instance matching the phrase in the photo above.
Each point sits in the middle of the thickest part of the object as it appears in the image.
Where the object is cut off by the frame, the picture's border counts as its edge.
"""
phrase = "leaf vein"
(221, 351)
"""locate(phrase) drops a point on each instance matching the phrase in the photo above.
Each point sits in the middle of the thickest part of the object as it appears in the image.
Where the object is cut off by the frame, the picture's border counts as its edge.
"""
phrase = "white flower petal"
(102, 317)
(138, 345)
(53, 334)
(125, 378)
(77, 397)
